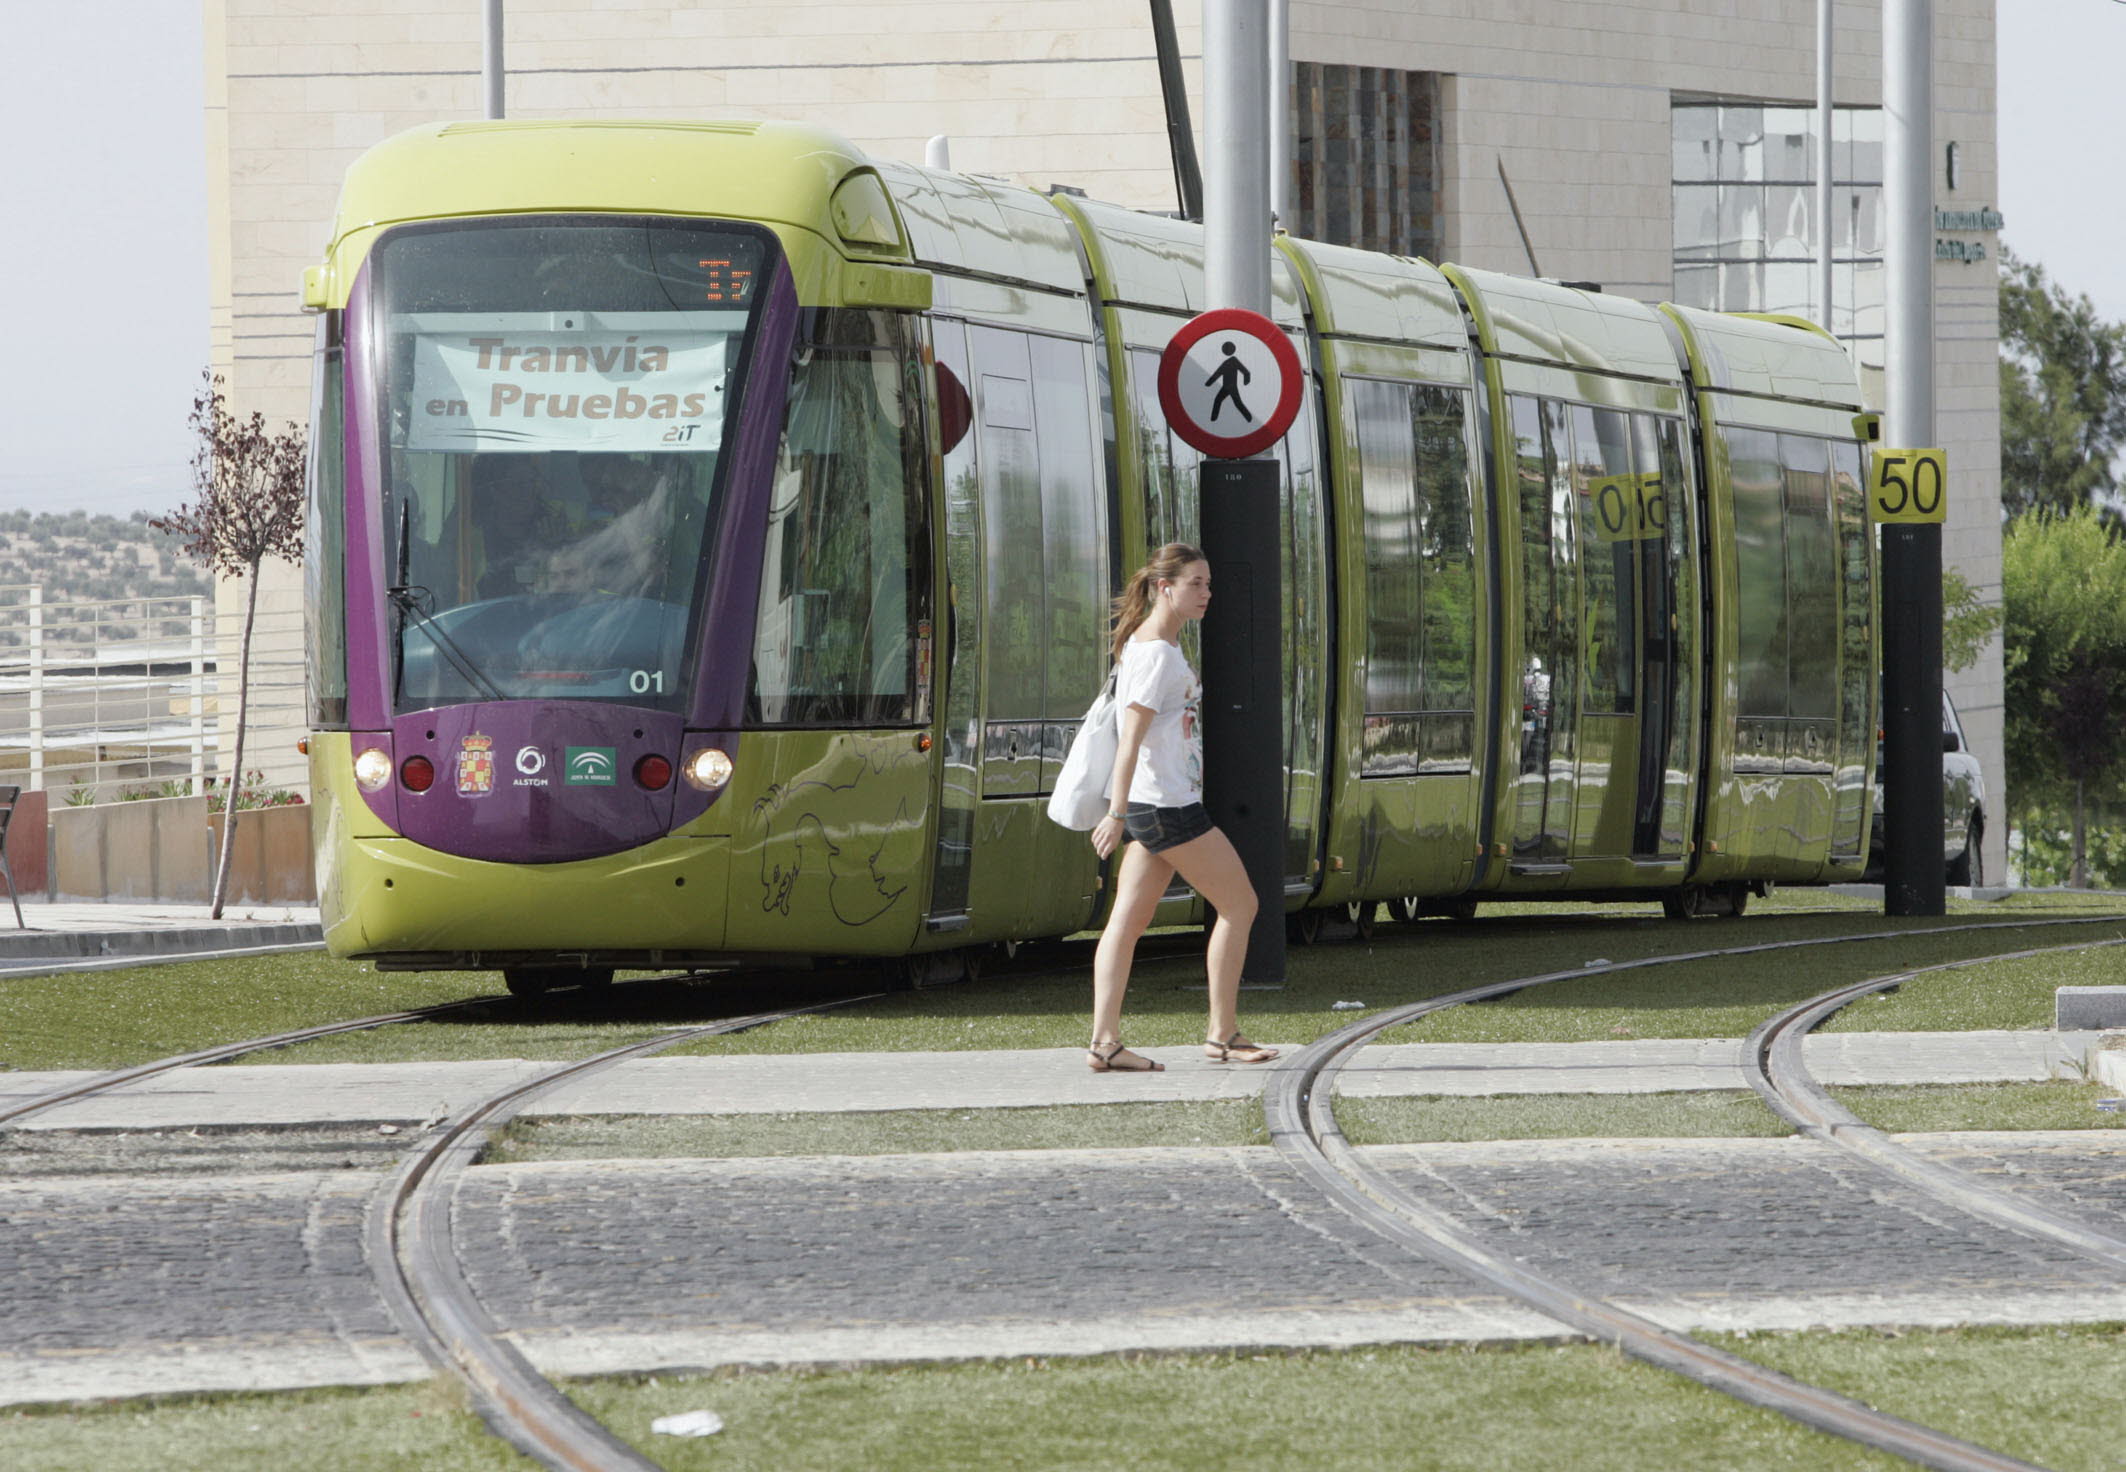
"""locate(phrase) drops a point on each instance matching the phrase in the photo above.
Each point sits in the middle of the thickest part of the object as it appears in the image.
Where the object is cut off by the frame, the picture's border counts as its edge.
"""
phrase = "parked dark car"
(1963, 795)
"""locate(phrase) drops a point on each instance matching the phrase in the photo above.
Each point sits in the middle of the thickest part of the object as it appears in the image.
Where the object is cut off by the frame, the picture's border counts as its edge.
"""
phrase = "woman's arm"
(1131, 724)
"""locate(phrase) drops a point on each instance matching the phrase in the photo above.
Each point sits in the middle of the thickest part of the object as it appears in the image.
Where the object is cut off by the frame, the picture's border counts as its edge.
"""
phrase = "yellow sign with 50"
(1627, 508)
(1909, 486)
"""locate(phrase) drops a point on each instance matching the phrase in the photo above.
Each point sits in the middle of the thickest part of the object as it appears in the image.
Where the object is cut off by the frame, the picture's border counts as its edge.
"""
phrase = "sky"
(105, 253)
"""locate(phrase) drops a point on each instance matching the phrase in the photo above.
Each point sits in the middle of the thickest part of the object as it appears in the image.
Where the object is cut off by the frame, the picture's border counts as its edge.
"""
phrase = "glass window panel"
(1790, 286)
(1741, 288)
(1437, 422)
(847, 574)
(1381, 419)
(1605, 496)
(1788, 233)
(1697, 224)
(1697, 286)
(1812, 577)
(325, 544)
(1539, 606)
(1842, 144)
(1867, 222)
(1695, 131)
(1868, 285)
(1867, 145)
(1073, 530)
(1741, 153)
(1011, 523)
(1741, 222)
(1790, 144)
(1755, 478)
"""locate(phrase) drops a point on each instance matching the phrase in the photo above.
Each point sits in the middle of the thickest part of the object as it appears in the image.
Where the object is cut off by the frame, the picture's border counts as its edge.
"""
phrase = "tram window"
(1755, 482)
(1538, 599)
(1169, 474)
(1610, 524)
(325, 546)
(1438, 420)
(1073, 530)
(1387, 458)
(554, 396)
(1812, 578)
(847, 576)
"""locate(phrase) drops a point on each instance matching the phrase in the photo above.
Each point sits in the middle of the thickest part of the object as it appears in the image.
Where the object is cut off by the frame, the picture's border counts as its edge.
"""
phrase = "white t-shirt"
(1154, 674)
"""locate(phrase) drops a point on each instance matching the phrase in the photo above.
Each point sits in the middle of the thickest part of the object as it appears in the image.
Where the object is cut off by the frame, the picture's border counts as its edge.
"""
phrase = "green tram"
(713, 529)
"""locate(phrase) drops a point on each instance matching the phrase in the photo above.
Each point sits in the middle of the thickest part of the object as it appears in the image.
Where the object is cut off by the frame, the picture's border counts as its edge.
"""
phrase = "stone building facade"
(1605, 141)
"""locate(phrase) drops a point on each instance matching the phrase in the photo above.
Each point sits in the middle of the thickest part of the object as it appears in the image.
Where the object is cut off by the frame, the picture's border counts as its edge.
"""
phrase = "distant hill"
(79, 557)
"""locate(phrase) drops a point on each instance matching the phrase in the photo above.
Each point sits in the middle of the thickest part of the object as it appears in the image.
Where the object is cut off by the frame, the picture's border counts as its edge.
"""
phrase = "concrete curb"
(30, 946)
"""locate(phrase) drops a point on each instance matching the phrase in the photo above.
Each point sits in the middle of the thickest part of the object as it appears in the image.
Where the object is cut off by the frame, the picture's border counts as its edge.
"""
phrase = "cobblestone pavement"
(122, 1285)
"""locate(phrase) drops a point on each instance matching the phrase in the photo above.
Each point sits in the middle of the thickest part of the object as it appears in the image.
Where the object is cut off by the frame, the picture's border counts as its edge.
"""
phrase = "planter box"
(272, 864)
(151, 850)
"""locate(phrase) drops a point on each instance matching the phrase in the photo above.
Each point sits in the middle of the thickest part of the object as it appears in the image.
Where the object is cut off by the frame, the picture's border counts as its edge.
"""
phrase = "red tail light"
(418, 773)
(653, 772)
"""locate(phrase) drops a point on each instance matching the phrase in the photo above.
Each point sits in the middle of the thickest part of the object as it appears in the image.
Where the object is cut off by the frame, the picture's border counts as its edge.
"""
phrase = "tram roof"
(1767, 357)
(731, 169)
(1362, 293)
(1544, 322)
(983, 227)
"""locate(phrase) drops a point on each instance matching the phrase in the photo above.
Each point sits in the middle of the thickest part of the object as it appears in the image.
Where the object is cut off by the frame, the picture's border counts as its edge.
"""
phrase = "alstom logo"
(590, 766)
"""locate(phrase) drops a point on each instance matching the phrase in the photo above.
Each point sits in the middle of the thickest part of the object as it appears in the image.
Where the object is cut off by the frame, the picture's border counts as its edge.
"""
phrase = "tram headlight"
(372, 769)
(708, 769)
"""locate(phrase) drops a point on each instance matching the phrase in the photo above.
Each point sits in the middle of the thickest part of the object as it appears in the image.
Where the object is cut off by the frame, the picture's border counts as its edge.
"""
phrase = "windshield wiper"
(406, 598)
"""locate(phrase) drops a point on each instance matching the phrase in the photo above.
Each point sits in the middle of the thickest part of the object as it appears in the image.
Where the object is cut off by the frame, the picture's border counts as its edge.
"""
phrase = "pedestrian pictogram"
(1230, 383)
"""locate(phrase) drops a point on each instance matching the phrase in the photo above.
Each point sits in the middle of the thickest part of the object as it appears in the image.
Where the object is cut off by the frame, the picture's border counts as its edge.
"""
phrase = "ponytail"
(1135, 604)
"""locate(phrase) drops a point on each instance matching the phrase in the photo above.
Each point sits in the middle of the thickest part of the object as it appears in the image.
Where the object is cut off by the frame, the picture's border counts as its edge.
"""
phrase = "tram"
(712, 529)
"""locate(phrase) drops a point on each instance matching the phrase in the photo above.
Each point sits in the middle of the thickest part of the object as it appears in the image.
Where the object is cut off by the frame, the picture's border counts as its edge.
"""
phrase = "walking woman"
(1157, 799)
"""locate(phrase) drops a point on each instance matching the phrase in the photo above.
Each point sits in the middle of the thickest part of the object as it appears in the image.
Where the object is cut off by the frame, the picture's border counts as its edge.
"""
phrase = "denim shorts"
(1159, 829)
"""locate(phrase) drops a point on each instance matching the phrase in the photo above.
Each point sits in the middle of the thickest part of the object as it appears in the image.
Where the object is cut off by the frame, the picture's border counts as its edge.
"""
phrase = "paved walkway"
(794, 1083)
(67, 936)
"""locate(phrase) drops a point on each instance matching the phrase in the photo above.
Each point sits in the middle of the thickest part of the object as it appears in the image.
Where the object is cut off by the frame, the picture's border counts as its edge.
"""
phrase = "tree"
(2063, 585)
(250, 507)
(1966, 623)
(2063, 394)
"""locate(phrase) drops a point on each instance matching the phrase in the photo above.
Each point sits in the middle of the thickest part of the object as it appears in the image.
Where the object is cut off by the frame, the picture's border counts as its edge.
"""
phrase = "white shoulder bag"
(1080, 798)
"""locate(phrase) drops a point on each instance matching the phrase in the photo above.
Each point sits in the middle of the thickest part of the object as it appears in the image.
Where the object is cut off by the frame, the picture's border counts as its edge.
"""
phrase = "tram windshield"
(555, 395)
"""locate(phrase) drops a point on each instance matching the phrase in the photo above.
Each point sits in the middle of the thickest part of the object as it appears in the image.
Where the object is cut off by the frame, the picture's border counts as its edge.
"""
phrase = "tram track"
(1299, 1111)
(1772, 1058)
(414, 1258)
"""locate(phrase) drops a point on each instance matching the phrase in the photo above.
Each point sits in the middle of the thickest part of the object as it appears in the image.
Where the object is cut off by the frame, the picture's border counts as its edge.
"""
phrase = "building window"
(1365, 166)
(1744, 187)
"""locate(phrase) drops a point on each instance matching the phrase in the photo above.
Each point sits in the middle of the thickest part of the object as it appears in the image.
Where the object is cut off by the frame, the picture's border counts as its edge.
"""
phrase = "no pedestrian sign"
(1230, 383)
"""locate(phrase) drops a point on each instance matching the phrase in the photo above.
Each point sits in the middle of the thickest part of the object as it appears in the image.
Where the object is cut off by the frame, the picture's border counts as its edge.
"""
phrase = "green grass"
(1923, 1108)
(2045, 1394)
(889, 1132)
(109, 1019)
(2003, 994)
(1711, 1114)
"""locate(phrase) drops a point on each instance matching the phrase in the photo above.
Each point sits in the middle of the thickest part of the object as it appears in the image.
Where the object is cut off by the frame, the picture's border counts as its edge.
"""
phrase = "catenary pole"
(1913, 879)
(1281, 112)
(1826, 228)
(1243, 669)
(491, 58)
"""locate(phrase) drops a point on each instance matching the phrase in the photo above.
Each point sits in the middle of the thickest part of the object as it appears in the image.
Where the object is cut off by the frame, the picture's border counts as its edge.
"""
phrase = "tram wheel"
(532, 981)
(1460, 911)
(1687, 903)
(1362, 915)
(1404, 908)
(1303, 928)
(1738, 899)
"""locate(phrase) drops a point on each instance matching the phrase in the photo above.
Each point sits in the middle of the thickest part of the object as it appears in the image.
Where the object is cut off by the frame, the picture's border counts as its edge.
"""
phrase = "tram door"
(960, 786)
(1609, 635)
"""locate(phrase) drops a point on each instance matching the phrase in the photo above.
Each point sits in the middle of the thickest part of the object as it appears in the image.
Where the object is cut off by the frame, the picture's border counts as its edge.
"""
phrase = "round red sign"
(1230, 383)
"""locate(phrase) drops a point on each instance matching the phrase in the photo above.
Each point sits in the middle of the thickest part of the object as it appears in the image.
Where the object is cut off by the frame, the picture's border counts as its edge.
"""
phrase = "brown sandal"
(1236, 1049)
(1104, 1062)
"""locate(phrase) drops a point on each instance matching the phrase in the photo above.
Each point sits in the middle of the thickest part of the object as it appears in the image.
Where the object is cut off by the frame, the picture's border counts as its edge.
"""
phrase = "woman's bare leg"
(1142, 879)
(1213, 869)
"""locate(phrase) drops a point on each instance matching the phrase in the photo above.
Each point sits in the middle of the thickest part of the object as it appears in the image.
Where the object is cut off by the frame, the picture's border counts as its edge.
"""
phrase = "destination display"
(535, 388)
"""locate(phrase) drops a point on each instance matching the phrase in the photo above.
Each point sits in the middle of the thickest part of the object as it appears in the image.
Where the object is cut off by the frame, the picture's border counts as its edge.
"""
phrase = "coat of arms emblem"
(476, 765)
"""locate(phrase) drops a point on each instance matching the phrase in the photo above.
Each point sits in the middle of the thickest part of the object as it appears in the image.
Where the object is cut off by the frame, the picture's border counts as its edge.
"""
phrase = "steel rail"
(102, 1083)
(1772, 1058)
(414, 1258)
(1299, 1110)
(118, 1078)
